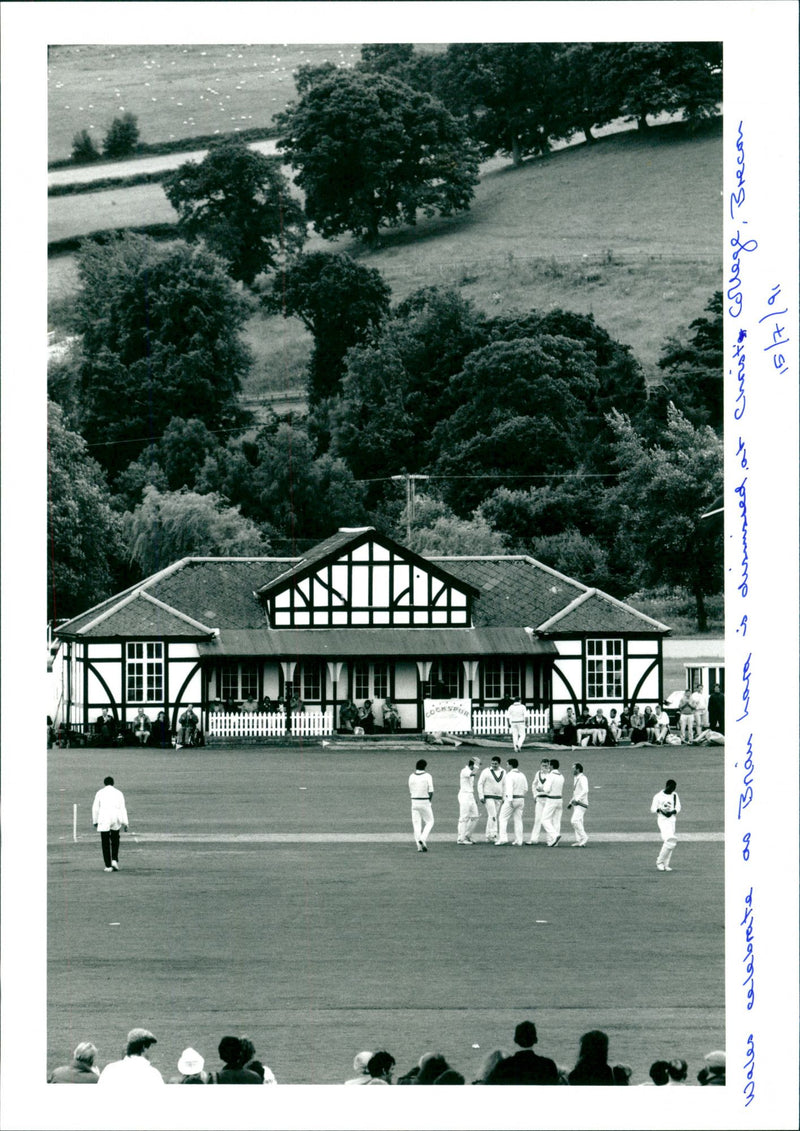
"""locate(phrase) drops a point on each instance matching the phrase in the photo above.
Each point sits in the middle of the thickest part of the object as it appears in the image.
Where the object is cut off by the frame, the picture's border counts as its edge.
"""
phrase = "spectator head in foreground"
(659, 1073)
(380, 1067)
(525, 1035)
(431, 1065)
(139, 1043)
(713, 1073)
(449, 1076)
(678, 1071)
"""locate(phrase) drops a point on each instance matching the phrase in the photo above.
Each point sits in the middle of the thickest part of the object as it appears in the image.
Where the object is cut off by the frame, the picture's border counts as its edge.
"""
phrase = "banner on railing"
(447, 715)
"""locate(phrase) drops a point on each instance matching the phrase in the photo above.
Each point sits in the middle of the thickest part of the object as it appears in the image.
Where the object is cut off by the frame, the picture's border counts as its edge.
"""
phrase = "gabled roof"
(214, 592)
(346, 540)
(595, 611)
(195, 597)
(514, 589)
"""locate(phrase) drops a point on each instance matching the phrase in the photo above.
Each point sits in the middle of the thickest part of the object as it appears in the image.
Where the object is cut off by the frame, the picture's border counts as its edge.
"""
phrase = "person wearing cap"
(420, 786)
(80, 1070)
(713, 1073)
(515, 787)
(190, 1066)
(579, 804)
(539, 793)
(553, 804)
(360, 1062)
(490, 794)
(516, 721)
(109, 816)
(468, 814)
(666, 805)
(134, 1072)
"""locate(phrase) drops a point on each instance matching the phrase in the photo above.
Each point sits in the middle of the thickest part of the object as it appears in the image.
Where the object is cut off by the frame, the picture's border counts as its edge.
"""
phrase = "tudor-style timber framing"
(358, 617)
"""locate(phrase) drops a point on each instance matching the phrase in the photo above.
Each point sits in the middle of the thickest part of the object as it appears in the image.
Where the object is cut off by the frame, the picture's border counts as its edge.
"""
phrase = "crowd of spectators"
(240, 1064)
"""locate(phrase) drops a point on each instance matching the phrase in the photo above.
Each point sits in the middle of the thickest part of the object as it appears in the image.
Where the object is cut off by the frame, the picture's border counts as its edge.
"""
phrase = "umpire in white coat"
(109, 816)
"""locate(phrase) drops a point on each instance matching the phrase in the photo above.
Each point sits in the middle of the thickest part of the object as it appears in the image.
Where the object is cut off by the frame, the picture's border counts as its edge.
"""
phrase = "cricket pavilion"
(448, 639)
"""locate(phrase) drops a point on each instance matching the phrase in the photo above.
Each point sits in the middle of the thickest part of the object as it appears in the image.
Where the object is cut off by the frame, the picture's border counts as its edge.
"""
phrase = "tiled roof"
(513, 590)
(142, 617)
(220, 593)
(596, 611)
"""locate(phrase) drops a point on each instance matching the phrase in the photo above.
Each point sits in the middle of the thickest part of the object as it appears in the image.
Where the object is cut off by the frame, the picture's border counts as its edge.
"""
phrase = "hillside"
(628, 229)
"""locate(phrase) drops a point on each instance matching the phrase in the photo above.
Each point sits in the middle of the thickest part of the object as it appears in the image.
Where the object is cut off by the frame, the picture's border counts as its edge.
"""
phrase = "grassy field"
(628, 230)
(174, 91)
(279, 893)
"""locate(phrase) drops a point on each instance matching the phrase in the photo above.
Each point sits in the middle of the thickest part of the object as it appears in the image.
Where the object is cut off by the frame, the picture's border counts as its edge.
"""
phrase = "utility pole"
(409, 481)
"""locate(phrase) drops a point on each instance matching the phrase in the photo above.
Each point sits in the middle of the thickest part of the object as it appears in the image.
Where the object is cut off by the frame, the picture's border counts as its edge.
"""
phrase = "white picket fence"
(493, 721)
(269, 724)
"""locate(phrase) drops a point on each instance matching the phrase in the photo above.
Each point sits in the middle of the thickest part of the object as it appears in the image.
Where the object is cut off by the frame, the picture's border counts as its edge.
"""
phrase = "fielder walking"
(109, 815)
(420, 786)
(490, 794)
(468, 814)
(514, 789)
(516, 720)
(579, 804)
(666, 805)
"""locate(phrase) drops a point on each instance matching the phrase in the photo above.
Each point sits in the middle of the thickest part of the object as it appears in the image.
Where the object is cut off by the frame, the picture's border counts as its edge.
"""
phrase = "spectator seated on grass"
(191, 1068)
(254, 1064)
(380, 1067)
(233, 1055)
(592, 1067)
(659, 1073)
(450, 1076)
(134, 1072)
(678, 1071)
(712, 1074)
(360, 1062)
(661, 726)
(80, 1070)
(431, 1065)
(490, 1062)
(525, 1066)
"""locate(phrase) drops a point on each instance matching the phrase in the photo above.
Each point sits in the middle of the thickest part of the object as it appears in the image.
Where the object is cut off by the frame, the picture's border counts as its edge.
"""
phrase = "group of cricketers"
(502, 793)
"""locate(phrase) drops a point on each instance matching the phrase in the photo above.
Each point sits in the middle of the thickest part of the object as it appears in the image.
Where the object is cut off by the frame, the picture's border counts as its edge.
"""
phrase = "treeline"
(536, 433)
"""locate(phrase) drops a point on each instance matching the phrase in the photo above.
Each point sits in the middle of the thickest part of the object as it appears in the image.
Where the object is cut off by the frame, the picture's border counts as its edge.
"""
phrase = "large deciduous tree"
(240, 203)
(341, 302)
(161, 338)
(84, 534)
(508, 91)
(657, 504)
(693, 367)
(370, 152)
(170, 525)
(652, 78)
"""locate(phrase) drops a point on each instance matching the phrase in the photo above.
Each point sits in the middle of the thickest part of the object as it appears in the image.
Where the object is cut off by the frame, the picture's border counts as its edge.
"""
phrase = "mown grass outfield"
(278, 892)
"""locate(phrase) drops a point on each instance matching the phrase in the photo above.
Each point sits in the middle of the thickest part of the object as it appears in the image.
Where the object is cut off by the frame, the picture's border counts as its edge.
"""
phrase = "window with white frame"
(603, 669)
(502, 679)
(144, 671)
